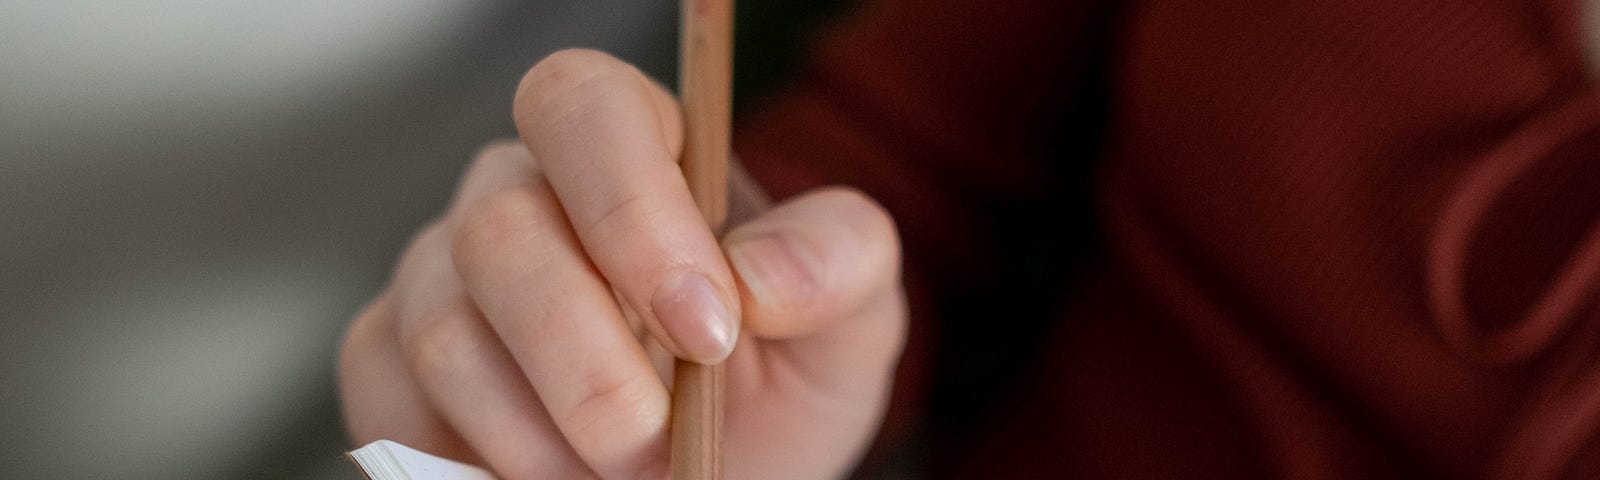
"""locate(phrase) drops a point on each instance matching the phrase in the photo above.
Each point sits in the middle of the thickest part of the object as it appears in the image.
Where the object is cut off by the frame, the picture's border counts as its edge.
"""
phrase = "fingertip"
(563, 68)
(815, 258)
(565, 83)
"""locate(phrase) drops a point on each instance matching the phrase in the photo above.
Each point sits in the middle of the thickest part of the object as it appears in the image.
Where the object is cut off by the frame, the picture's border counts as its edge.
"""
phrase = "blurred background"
(195, 197)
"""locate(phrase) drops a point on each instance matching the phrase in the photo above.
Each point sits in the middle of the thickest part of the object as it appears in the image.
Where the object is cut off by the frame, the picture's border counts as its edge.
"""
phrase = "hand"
(531, 328)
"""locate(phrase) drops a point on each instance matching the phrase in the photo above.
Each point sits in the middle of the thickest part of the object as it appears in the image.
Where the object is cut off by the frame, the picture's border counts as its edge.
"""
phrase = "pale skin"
(531, 327)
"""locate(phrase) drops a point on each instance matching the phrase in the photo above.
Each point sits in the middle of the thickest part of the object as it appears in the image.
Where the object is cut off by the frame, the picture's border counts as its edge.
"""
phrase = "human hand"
(531, 328)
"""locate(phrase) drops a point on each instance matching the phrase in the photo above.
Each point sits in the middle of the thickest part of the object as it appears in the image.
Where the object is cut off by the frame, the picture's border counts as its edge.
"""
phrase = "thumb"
(815, 260)
(819, 284)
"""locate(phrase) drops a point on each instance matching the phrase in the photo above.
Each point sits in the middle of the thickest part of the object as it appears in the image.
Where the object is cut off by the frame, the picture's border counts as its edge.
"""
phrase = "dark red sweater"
(1212, 239)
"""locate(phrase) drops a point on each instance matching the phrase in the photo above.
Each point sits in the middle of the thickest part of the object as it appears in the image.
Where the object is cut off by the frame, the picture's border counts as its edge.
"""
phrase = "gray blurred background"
(195, 196)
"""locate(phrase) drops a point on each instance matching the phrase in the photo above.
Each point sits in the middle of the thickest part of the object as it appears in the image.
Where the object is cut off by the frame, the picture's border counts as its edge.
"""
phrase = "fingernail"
(692, 313)
(776, 270)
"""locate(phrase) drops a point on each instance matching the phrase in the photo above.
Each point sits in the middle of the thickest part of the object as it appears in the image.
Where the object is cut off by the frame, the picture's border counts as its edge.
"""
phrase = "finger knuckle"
(623, 216)
(490, 222)
(496, 165)
(605, 398)
(492, 158)
(498, 149)
(434, 343)
(425, 241)
(568, 80)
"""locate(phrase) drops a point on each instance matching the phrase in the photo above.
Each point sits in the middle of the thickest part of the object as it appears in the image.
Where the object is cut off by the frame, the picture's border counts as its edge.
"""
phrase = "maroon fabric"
(1336, 239)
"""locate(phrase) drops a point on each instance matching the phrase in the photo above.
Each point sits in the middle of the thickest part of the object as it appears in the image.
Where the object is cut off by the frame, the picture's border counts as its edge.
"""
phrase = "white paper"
(386, 460)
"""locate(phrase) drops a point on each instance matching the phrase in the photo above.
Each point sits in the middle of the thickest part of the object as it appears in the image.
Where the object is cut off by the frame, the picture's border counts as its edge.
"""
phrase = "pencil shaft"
(705, 84)
(697, 421)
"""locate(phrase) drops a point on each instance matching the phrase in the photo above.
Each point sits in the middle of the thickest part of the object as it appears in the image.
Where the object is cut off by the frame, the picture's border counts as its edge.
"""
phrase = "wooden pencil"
(705, 81)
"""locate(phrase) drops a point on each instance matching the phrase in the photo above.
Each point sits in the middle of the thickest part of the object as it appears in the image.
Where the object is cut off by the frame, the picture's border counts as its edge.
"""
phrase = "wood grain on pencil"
(705, 83)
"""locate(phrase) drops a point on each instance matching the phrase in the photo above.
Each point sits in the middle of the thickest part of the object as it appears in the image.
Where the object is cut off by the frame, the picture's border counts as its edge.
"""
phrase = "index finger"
(608, 139)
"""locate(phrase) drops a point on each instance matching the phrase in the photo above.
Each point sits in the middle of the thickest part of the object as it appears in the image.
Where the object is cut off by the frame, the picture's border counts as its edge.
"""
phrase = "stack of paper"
(386, 460)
